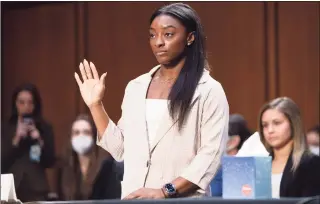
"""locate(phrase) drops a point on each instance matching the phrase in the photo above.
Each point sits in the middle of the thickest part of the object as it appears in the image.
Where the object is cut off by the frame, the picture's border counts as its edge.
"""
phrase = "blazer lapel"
(287, 177)
(167, 122)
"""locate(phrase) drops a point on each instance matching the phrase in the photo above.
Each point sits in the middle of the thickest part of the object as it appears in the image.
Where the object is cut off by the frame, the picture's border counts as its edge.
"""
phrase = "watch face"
(170, 187)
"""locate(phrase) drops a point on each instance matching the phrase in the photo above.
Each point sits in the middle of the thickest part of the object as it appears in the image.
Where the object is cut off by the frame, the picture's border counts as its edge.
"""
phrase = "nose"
(270, 129)
(159, 42)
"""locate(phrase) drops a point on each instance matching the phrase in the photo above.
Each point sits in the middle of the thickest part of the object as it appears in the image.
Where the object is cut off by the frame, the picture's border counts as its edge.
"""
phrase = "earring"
(189, 43)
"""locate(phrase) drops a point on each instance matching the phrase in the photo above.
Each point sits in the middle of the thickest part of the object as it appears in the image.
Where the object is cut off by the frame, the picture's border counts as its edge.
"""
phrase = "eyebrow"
(164, 27)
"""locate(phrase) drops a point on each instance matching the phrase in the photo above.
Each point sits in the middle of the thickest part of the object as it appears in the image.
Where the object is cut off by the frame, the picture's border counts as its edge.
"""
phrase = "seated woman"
(295, 171)
(86, 172)
(27, 145)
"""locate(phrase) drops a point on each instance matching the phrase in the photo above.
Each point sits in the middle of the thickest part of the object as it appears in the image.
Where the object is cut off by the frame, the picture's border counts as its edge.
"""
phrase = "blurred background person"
(313, 136)
(295, 171)
(238, 134)
(87, 172)
(27, 145)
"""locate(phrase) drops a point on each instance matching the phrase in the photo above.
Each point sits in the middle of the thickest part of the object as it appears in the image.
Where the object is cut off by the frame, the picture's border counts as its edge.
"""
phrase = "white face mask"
(82, 143)
(314, 149)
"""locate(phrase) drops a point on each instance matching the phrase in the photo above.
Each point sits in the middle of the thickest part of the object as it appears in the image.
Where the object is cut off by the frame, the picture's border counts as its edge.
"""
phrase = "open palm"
(92, 88)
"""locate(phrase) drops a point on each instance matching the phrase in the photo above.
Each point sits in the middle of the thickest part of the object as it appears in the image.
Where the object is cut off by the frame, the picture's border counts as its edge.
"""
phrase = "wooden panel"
(299, 56)
(235, 33)
(39, 47)
(118, 44)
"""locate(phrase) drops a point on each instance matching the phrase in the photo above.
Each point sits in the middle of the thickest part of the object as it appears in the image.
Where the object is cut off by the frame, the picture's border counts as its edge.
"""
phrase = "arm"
(111, 135)
(10, 149)
(47, 159)
(213, 134)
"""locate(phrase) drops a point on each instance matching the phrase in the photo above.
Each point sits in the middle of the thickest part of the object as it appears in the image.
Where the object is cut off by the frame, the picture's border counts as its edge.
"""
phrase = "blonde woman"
(295, 171)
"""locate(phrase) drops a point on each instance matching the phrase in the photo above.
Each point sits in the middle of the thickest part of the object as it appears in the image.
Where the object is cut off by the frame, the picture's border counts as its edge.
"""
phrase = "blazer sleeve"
(47, 159)
(112, 139)
(9, 153)
(213, 135)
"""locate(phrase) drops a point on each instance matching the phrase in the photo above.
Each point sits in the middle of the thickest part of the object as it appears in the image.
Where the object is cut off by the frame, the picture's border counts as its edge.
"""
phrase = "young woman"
(86, 173)
(295, 171)
(27, 145)
(174, 122)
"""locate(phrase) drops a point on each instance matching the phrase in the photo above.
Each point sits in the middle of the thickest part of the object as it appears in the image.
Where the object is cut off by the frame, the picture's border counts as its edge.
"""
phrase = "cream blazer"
(194, 153)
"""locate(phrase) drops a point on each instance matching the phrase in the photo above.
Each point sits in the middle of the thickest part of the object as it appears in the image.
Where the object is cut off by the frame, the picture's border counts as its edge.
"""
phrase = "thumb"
(103, 78)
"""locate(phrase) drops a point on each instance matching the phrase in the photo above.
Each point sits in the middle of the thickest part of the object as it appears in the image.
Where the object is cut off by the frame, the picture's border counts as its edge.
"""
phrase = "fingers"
(94, 71)
(87, 69)
(103, 78)
(133, 195)
(82, 71)
(76, 76)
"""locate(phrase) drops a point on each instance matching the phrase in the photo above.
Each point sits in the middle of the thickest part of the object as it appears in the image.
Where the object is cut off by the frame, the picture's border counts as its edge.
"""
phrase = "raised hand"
(92, 88)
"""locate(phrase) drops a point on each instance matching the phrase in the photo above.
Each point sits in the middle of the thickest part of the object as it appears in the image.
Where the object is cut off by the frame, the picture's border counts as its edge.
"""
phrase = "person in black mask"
(27, 146)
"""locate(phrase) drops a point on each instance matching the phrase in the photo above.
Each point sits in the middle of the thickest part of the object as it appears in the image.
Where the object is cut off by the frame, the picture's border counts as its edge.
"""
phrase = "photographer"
(27, 146)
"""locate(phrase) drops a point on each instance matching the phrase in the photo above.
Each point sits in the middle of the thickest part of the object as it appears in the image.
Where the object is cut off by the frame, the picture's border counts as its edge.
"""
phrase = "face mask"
(82, 144)
(314, 149)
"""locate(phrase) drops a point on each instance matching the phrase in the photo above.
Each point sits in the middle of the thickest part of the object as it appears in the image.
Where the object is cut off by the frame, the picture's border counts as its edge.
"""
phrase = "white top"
(275, 185)
(155, 108)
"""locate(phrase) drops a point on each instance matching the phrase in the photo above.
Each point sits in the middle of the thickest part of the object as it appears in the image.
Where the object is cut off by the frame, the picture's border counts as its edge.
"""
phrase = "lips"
(160, 53)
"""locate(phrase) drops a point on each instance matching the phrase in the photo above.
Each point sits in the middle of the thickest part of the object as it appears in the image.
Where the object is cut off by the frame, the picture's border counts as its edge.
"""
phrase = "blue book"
(246, 177)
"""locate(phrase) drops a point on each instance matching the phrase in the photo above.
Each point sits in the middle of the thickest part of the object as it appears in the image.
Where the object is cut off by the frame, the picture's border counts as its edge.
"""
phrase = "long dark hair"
(37, 111)
(184, 87)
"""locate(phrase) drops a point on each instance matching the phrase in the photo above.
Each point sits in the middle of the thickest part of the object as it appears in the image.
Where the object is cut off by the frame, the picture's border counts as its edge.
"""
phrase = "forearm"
(100, 117)
(184, 187)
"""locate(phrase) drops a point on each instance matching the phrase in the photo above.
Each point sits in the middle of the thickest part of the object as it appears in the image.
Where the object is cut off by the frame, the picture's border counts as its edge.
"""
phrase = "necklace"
(162, 80)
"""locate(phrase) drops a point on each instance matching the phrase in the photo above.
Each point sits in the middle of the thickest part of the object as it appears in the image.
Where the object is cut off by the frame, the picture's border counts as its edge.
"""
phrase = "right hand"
(21, 132)
(92, 88)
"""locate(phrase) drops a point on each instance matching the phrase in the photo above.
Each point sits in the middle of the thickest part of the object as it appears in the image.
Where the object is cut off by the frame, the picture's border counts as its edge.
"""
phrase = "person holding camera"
(27, 146)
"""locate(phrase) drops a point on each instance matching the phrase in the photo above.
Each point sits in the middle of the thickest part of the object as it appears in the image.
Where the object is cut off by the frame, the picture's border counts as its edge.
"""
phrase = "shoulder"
(210, 89)
(309, 160)
(310, 165)
(142, 79)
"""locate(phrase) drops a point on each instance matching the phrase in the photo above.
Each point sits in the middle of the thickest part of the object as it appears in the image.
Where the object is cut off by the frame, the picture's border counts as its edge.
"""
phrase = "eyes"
(22, 102)
(166, 35)
(78, 132)
(274, 123)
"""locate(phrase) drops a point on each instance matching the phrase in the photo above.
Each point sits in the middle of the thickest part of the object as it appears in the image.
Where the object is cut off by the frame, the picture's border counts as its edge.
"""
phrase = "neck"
(170, 70)
(283, 152)
(84, 161)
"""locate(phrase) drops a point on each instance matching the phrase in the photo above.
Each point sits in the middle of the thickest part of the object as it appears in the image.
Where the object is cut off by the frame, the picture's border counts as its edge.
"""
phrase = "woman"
(86, 173)
(174, 122)
(295, 171)
(27, 145)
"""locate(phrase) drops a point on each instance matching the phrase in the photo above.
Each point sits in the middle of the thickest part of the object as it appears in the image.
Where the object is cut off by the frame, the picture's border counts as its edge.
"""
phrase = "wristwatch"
(170, 189)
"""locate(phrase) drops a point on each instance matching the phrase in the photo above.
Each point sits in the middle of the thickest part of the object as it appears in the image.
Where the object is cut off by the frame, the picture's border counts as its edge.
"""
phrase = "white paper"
(253, 147)
(8, 191)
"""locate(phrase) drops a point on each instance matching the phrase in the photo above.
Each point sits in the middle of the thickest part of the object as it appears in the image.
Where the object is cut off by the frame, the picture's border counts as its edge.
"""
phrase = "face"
(168, 39)
(81, 127)
(232, 145)
(313, 138)
(276, 128)
(24, 103)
